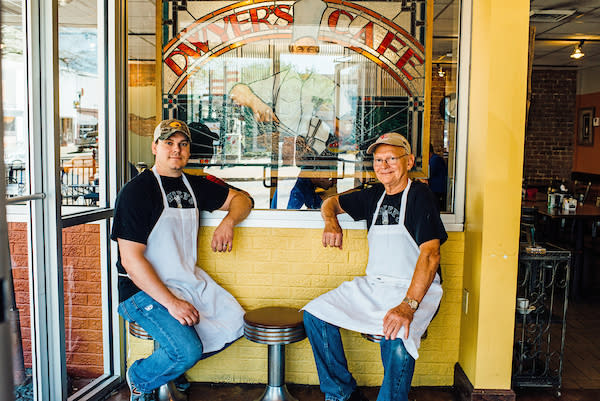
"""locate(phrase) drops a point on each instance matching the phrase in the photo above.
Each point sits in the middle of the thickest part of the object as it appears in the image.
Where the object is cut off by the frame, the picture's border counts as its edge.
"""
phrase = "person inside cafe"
(438, 177)
(311, 187)
(401, 291)
(156, 224)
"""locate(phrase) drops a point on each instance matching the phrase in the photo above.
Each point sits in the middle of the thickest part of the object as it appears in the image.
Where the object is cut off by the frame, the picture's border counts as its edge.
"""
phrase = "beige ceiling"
(556, 40)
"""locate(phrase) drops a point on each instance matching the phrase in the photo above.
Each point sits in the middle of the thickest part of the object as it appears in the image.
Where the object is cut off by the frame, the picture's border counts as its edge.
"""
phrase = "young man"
(401, 291)
(160, 287)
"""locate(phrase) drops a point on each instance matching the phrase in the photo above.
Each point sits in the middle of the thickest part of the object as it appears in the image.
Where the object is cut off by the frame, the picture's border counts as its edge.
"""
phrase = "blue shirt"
(303, 193)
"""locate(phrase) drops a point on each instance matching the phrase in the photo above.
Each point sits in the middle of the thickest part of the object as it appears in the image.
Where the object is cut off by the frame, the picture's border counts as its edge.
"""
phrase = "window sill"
(303, 219)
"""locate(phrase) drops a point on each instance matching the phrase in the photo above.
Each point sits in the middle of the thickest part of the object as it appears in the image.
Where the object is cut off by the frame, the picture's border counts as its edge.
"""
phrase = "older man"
(401, 291)
(160, 287)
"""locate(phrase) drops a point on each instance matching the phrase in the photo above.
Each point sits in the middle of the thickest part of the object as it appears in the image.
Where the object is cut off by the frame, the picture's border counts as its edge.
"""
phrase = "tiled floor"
(246, 392)
(581, 375)
(582, 346)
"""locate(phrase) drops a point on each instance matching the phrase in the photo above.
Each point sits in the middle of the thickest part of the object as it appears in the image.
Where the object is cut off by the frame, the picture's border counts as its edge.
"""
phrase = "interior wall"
(585, 158)
(498, 82)
(296, 270)
(550, 127)
(142, 112)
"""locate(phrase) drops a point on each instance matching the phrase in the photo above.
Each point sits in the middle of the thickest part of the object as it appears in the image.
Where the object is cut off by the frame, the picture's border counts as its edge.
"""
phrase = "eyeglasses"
(390, 161)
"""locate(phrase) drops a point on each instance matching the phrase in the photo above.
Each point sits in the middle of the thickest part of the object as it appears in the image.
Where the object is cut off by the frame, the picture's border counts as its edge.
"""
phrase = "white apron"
(172, 249)
(361, 304)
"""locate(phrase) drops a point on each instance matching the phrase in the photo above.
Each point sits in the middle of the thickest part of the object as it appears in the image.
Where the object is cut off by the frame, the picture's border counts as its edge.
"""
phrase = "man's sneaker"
(135, 394)
(181, 384)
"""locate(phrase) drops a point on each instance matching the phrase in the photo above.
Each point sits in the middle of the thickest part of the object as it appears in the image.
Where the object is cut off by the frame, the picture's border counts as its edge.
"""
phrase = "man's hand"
(223, 237)
(396, 318)
(332, 233)
(238, 204)
(183, 311)
(242, 95)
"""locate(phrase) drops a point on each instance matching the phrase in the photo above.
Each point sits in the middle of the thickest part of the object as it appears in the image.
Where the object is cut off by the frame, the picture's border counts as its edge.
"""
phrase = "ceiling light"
(441, 72)
(577, 52)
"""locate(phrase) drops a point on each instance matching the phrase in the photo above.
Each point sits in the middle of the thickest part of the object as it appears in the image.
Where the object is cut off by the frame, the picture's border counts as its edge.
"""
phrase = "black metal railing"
(79, 182)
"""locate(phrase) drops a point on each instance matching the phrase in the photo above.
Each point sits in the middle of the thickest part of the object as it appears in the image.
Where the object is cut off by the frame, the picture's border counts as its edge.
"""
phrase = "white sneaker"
(135, 394)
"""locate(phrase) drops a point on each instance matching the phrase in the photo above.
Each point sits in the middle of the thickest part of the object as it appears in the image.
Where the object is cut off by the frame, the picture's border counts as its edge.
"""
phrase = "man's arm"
(144, 276)
(242, 95)
(402, 315)
(238, 205)
(332, 233)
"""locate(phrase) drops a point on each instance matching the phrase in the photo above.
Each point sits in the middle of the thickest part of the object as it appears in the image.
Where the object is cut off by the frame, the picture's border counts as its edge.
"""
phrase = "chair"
(275, 326)
(168, 391)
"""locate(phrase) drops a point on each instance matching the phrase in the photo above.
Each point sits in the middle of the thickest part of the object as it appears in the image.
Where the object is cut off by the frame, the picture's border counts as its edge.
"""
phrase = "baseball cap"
(390, 138)
(166, 128)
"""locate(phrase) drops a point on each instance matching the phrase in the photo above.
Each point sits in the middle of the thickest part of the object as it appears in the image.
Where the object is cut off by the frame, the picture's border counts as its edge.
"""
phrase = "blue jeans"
(180, 347)
(335, 379)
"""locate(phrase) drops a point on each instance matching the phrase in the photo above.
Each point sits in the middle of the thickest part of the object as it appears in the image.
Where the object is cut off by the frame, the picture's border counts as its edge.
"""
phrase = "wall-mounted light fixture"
(577, 51)
(441, 72)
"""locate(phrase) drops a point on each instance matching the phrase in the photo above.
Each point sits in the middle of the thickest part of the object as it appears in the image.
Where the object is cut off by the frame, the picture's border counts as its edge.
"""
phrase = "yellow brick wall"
(289, 267)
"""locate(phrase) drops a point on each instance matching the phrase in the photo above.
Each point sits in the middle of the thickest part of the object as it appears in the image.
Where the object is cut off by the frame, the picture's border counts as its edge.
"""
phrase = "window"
(283, 100)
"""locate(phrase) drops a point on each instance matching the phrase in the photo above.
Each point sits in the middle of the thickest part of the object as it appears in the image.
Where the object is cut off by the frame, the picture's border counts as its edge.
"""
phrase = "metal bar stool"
(376, 338)
(275, 326)
(168, 391)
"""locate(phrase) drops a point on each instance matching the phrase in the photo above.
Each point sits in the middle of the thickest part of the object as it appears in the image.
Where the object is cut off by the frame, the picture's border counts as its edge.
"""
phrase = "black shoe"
(357, 395)
(181, 384)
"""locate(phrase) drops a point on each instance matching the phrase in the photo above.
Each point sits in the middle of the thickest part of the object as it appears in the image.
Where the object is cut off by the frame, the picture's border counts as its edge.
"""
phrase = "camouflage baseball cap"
(166, 128)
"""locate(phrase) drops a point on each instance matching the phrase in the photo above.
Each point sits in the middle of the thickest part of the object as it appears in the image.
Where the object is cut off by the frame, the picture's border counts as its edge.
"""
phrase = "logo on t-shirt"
(180, 199)
(388, 214)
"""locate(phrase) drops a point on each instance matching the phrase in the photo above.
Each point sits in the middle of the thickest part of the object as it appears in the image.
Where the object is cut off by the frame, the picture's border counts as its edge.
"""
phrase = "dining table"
(580, 217)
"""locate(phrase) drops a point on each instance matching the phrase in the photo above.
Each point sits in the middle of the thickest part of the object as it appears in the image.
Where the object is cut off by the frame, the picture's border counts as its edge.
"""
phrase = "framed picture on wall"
(585, 134)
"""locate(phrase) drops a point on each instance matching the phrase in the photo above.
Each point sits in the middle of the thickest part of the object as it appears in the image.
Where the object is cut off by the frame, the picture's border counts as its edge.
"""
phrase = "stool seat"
(274, 317)
(275, 326)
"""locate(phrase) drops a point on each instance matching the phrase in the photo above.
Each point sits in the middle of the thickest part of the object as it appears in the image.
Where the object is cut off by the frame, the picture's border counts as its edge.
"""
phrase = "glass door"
(58, 63)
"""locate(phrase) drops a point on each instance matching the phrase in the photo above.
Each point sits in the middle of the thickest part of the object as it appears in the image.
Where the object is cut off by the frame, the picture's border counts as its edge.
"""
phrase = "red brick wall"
(436, 132)
(550, 127)
(17, 239)
(83, 310)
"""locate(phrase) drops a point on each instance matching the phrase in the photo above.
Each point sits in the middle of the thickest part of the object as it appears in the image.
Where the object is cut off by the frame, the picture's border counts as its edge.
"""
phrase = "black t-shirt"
(140, 204)
(422, 218)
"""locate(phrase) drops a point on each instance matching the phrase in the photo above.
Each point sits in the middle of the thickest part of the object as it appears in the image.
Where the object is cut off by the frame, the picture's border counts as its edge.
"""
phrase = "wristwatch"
(412, 303)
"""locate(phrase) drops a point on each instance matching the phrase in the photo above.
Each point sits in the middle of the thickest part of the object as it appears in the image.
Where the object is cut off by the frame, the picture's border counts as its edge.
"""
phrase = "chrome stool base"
(280, 393)
(275, 327)
(168, 392)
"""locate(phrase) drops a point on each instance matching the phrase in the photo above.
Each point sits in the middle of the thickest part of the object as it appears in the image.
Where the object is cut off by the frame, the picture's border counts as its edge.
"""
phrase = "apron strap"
(402, 215)
(403, 204)
(162, 190)
(189, 187)
(379, 202)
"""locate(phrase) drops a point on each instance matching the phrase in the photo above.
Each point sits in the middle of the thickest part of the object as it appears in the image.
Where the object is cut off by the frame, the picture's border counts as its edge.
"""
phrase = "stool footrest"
(137, 331)
(280, 393)
(263, 336)
(376, 338)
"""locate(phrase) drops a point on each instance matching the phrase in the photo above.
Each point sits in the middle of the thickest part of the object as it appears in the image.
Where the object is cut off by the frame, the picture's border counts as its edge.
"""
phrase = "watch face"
(412, 303)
